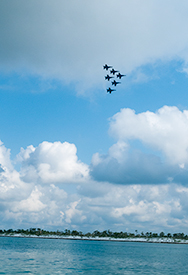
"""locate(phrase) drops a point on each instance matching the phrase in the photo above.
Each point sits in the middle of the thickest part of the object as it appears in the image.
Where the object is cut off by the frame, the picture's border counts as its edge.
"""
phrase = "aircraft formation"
(113, 74)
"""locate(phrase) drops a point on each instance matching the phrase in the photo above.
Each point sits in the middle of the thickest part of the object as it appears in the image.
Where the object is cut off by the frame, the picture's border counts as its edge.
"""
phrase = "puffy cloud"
(166, 130)
(10, 182)
(141, 207)
(24, 202)
(12, 188)
(74, 212)
(131, 207)
(136, 168)
(32, 203)
(5, 157)
(83, 204)
(90, 205)
(162, 156)
(52, 163)
(57, 39)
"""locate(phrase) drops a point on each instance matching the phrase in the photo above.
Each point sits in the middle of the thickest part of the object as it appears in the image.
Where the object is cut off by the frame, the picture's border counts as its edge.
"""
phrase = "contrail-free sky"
(73, 156)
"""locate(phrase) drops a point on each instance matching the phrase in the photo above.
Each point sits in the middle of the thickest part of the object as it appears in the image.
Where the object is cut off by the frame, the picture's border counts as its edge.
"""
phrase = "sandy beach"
(143, 239)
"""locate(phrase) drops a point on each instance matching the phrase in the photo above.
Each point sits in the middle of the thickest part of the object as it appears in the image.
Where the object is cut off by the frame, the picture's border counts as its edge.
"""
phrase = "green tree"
(161, 235)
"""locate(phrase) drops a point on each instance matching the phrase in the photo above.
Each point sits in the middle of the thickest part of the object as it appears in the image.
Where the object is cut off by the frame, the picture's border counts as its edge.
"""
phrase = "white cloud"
(52, 163)
(160, 157)
(84, 204)
(136, 168)
(24, 202)
(10, 182)
(93, 204)
(32, 203)
(166, 130)
(139, 207)
(74, 212)
(71, 41)
(5, 157)
(118, 151)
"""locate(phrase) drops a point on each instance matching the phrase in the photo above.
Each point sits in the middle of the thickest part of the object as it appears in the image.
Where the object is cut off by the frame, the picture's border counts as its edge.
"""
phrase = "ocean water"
(57, 256)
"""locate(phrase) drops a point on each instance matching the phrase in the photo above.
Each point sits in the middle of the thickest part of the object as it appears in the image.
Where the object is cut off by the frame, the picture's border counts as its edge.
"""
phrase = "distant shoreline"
(135, 239)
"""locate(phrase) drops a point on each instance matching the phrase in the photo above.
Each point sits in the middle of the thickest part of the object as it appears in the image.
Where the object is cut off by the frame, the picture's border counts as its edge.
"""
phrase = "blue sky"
(74, 156)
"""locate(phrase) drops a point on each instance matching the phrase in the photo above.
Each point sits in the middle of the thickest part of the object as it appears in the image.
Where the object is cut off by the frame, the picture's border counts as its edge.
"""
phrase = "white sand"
(144, 239)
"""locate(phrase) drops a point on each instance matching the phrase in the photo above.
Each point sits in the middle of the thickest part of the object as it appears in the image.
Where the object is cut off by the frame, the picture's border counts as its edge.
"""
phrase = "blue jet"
(109, 90)
(115, 83)
(106, 67)
(113, 71)
(108, 77)
(120, 75)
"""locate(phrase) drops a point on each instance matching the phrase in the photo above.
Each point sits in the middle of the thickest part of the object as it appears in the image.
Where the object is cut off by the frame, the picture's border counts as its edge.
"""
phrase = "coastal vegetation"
(95, 234)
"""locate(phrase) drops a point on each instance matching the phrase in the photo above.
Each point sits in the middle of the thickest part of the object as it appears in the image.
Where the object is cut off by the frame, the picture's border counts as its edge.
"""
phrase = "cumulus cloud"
(52, 163)
(54, 189)
(131, 207)
(163, 156)
(71, 40)
(30, 196)
(10, 182)
(136, 168)
(25, 200)
(92, 204)
(166, 130)
(73, 212)
(12, 188)
(32, 203)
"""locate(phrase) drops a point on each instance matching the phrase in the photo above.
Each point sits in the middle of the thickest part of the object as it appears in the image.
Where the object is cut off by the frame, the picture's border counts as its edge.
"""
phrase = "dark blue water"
(48, 256)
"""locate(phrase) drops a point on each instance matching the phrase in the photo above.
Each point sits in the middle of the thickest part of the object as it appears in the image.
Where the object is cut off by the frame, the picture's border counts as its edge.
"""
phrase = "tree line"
(96, 233)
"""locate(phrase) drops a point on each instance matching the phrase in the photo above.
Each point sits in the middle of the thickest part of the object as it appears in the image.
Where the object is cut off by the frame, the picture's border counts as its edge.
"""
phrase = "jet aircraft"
(113, 71)
(106, 67)
(115, 83)
(108, 77)
(120, 75)
(109, 90)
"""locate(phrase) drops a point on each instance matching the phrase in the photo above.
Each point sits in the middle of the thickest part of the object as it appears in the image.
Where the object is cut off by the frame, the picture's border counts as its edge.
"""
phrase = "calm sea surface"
(48, 256)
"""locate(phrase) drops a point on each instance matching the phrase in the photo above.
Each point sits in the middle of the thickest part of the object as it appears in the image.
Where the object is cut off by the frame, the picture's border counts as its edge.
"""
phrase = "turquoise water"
(48, 256)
